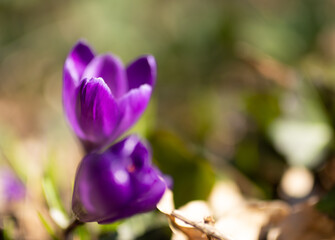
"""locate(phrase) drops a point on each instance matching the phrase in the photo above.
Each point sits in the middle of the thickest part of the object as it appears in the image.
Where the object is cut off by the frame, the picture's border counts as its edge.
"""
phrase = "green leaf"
(263, 108)
(327, 203)
(83, 233)
(108, 228)
(193, 176)
(47, 226)
(56, 209)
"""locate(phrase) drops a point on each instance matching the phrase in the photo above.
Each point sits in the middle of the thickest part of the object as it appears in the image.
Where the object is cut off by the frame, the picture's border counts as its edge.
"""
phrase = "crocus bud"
(102, 98)
(117, 183)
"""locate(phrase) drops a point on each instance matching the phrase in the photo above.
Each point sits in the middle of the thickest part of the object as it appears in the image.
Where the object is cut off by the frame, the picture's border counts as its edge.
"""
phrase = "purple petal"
(142, 71)
(96, 110)
(148, 188)
(75, 63)
(111, 70)
(168, 181)
(131, 107)
(141, 156)
(69, 101)
(12, 188)
(132, 147)
(126, 147)
(111, 186)
(78, 59)
(102, 185)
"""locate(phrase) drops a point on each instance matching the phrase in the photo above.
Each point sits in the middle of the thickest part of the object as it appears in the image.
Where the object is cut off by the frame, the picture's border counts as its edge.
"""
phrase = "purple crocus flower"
(117, 183)
(12, 189)
(103, 98)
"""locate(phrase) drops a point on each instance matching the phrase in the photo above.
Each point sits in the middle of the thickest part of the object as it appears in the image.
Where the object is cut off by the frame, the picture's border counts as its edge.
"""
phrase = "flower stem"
(73, 225)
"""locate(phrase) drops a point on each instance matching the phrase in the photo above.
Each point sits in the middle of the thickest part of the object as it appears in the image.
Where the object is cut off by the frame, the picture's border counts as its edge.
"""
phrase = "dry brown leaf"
(247, 221)
(304, 222)
(240, 219)
(198, 230)
(189, 232)
(192, 221)
(224, 197)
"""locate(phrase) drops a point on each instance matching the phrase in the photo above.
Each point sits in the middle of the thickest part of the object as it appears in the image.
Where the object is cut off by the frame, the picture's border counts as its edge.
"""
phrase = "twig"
(207, 229)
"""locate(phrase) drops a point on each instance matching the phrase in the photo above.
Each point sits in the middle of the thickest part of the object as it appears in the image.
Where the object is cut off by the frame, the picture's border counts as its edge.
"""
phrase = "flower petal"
(97, 111)
(148, 188)
(111, 70)
(141, 156)
(108, 187)
(75, 63)
(12, 189)
(132, 147)
(131, 107)
(125, 148)
(78, 59)
(101, 186)
(142, 71)
(69, 101)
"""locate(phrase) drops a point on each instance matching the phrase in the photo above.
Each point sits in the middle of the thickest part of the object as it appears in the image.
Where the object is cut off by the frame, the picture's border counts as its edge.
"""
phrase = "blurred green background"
(245, 90)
